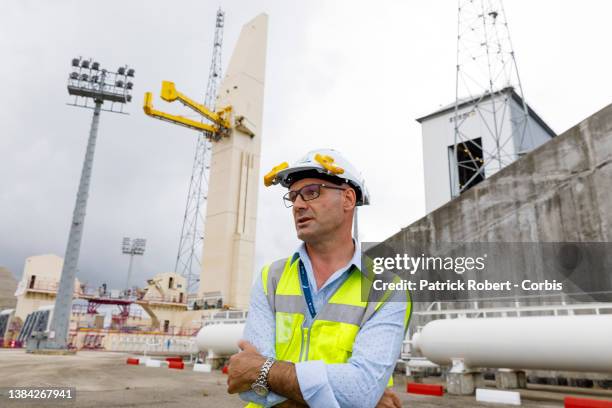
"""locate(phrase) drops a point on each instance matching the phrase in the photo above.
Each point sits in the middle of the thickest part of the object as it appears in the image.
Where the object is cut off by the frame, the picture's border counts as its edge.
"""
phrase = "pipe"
(221, 339)
(564, 343)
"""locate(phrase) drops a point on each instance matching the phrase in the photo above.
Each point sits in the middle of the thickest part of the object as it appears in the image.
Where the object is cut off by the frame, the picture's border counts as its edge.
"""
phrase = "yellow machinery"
(219, 128)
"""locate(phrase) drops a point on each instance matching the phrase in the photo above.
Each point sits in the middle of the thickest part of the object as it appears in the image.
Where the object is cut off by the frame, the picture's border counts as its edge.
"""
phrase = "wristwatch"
(260, 386)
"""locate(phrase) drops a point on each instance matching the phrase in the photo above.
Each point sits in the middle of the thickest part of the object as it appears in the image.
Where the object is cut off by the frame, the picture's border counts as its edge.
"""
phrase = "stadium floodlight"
(126, 245)
(88, 83)
(132, 247)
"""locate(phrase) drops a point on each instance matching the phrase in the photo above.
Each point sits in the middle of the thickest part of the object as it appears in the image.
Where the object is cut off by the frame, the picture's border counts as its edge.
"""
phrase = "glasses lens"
(310, 192)
(289, 198)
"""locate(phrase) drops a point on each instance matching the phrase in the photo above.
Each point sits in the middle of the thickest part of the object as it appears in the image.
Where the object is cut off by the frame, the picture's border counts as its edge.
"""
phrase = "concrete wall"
(8, 285)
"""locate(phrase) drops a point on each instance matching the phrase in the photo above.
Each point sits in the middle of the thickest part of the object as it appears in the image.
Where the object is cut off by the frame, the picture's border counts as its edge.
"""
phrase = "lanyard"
(306, 290)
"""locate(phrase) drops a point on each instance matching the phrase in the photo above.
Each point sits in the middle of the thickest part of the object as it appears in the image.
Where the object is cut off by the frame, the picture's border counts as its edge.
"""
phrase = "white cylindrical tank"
(569, 343)
(220, 339)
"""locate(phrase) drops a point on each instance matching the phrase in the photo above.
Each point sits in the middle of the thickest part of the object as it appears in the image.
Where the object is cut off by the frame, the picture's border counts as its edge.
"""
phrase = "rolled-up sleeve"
(260, 331)
(361, 381)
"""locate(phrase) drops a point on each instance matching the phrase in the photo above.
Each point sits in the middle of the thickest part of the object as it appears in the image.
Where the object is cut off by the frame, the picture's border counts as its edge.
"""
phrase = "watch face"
(260, 390)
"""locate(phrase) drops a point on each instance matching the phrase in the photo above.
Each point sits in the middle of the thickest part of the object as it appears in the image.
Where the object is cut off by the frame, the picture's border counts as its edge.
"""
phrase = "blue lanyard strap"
(306, 290)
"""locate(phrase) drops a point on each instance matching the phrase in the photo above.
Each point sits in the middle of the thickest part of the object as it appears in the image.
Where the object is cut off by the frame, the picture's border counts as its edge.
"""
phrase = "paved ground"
(103, 379)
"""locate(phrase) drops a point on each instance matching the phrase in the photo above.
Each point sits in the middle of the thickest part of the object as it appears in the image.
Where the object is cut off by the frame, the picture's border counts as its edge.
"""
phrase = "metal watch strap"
(263, 373)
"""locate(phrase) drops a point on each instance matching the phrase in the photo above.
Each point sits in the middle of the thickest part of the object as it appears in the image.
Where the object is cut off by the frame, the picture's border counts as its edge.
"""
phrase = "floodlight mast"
(131, 248)
(88, 82)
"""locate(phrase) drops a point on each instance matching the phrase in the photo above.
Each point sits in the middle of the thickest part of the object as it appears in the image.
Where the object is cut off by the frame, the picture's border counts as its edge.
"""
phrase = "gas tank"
(220, 338)
(566, 343)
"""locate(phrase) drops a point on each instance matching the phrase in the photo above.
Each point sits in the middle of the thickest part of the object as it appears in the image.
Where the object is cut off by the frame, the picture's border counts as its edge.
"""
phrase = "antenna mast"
(192, 232)
(486, 80)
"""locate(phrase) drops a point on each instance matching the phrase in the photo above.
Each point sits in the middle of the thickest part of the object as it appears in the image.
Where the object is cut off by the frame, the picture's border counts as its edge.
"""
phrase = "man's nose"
(299, 203)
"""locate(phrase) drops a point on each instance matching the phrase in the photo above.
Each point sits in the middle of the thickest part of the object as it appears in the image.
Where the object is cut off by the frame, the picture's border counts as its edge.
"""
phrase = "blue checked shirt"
(360, 382)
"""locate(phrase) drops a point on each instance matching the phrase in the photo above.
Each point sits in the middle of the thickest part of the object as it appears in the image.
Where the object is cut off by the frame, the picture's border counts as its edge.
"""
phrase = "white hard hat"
(321, 163)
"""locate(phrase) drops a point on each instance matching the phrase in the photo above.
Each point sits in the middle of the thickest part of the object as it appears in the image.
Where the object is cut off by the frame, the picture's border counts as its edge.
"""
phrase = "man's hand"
(244, 368)
(389, 399)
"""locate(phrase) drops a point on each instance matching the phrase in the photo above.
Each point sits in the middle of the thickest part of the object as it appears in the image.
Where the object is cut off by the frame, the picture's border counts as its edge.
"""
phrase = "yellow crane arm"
(170, 94)
(179, 120)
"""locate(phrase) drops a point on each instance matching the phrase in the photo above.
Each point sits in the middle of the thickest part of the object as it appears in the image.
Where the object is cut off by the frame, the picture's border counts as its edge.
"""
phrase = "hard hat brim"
(297, 174)
(309, 172)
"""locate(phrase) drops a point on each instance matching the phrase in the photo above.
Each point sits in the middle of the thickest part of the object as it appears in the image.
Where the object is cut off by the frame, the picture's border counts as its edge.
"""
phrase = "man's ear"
(350, 199)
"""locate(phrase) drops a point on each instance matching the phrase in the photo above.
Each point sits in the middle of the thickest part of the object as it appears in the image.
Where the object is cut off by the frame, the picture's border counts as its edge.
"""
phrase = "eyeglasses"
(309, 192)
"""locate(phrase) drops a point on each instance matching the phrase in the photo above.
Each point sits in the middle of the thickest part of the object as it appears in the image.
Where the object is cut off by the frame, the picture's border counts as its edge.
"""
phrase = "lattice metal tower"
(192, 231)
(487, 79)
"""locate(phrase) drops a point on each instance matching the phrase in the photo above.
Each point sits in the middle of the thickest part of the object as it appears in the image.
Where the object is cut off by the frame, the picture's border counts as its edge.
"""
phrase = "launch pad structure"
(235, 131)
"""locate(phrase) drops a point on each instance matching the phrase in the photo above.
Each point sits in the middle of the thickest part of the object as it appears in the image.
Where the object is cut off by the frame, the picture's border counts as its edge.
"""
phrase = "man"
(310, 338)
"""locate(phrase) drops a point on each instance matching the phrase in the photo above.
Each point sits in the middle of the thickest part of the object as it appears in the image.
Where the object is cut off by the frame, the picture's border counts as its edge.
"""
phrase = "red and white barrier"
(179, 365)
(573, 402)
(425, 389)
(152, 363)
(498, 396)
(202, 368)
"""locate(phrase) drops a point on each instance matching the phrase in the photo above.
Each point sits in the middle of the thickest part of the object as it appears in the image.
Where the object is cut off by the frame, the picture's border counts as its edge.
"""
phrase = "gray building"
(491, 130)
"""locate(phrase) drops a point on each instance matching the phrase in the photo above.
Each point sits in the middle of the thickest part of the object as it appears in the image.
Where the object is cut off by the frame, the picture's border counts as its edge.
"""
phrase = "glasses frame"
(289, 203)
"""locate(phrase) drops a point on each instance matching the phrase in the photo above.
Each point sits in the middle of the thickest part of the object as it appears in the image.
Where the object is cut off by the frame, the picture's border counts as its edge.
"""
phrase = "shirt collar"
(302, 254)
(355, 260)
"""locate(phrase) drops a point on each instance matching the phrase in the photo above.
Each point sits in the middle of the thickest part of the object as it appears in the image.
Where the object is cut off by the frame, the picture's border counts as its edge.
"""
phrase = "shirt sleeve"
(361, 381)
(260, 331)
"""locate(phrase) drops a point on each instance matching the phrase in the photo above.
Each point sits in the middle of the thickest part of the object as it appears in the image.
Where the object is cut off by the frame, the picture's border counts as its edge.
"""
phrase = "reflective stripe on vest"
(332, 333)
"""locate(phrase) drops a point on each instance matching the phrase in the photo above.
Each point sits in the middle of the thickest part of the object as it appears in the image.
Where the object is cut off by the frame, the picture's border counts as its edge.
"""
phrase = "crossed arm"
(282, 378)
(359, 382)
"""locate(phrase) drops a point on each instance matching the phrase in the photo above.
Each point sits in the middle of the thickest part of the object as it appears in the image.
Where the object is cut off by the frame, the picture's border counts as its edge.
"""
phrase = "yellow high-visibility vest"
(332, 333)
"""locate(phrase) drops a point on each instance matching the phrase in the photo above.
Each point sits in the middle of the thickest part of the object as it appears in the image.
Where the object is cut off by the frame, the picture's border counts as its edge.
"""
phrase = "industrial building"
(442, 172)
(100, 314)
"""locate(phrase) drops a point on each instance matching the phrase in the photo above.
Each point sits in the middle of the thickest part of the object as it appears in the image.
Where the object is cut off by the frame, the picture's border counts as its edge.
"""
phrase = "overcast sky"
(350, 75)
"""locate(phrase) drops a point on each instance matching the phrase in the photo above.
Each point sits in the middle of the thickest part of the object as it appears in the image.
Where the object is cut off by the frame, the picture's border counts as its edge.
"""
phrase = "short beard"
(305, 237)
(318, 236)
